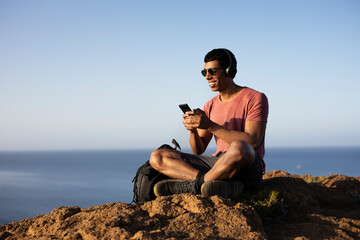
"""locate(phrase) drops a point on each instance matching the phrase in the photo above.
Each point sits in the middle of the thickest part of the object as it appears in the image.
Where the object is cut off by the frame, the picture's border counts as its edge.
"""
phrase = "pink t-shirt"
(249, 105)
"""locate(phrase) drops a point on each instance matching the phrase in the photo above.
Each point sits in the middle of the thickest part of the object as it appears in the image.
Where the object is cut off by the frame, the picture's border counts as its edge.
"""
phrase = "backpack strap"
(167, 146)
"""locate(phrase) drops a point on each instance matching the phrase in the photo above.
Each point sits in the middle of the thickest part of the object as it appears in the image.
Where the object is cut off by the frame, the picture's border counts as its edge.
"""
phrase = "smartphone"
(185, 108)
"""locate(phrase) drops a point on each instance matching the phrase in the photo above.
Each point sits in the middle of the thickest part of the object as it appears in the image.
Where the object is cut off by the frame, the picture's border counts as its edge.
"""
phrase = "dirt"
(308, 208)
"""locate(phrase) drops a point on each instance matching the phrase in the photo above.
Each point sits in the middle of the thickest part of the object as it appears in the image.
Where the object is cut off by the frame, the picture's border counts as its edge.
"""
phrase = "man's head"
(225, 58)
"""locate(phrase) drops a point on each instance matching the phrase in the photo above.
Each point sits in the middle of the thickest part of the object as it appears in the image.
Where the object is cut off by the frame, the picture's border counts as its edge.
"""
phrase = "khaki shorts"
(251, 177)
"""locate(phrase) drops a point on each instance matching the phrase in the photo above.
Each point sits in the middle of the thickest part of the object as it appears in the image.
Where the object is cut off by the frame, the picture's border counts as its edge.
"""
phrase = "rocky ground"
(306, 207)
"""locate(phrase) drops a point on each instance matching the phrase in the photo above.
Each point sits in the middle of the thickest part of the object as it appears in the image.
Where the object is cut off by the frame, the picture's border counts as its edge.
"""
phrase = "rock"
(316, 208)
(179, 216)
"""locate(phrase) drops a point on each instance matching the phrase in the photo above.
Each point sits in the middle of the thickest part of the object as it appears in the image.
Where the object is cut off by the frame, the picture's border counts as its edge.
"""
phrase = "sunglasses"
(211, 71)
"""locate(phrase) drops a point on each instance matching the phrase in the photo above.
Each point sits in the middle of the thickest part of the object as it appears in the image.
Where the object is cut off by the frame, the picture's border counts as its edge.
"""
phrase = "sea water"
(33, 183)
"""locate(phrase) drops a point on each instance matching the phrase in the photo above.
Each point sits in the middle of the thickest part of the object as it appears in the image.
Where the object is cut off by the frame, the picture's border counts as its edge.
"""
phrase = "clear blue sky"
(110, 74)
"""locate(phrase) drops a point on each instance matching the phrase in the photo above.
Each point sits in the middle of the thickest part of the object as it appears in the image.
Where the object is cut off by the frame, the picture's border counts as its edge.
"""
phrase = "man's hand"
(196, 119)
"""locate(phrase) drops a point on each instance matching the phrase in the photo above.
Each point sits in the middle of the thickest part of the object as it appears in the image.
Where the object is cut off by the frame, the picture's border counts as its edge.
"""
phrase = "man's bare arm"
(199, 138)
(253, 133)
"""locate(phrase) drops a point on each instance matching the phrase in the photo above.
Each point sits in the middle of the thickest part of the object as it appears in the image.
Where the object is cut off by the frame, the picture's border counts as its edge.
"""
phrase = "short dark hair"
(225, 57)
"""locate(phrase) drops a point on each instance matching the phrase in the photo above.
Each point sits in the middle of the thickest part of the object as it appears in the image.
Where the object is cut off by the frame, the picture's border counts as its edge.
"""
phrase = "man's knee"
(156, 159)
(241, 147)
(242, 152)
(160, 158)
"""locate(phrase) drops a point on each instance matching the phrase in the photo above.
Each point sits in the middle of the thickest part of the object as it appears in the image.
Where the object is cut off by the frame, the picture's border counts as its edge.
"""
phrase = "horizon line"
(151, 149)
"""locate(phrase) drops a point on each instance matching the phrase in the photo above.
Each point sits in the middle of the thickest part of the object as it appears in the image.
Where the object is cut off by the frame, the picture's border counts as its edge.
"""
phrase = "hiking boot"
(225, 189)
(174, 186)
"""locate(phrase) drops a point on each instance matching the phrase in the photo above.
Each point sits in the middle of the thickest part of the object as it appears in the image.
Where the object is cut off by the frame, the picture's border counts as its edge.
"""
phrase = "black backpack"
(146, 177)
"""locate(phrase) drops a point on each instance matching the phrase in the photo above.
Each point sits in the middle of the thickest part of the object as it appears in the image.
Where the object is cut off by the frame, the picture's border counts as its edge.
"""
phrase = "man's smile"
(212, 84)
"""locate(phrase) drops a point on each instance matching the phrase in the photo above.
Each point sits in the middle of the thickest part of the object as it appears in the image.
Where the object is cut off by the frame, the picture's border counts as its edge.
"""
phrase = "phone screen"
(185, 108)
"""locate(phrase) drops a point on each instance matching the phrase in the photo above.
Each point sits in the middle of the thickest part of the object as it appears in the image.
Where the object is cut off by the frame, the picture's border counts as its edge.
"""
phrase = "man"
(237, 118)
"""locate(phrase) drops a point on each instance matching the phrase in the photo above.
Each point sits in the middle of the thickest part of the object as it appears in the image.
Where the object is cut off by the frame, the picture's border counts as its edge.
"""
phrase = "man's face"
(219, 81)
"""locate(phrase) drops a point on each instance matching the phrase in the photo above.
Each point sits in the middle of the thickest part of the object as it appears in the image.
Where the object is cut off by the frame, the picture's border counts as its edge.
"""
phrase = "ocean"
(34, 183)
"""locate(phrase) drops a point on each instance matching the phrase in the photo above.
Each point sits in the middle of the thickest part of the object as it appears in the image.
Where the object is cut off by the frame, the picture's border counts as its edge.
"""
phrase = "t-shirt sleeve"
(208, 106)
(258, 108)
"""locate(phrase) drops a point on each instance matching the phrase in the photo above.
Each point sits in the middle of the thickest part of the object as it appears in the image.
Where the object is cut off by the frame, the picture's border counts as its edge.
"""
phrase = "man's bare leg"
(168, 162)
(239, 156)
